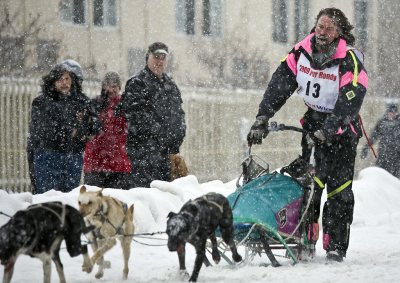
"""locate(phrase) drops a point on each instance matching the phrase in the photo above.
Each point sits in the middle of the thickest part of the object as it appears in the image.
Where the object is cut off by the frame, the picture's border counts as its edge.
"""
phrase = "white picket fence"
(217, 124)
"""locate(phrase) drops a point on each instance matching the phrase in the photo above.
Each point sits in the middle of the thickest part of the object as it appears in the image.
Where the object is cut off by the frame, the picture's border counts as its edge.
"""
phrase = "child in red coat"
(106, 163)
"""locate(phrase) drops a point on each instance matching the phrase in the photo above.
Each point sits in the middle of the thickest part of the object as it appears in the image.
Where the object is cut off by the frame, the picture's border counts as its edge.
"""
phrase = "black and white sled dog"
(38, 231)
(195, 223)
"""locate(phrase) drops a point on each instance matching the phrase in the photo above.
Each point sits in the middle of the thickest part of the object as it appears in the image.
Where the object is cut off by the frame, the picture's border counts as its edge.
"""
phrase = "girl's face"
(112, 90)
(64, 83)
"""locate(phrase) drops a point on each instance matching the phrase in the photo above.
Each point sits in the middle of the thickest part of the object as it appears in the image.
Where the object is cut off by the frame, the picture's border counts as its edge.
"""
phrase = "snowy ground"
(373, 256)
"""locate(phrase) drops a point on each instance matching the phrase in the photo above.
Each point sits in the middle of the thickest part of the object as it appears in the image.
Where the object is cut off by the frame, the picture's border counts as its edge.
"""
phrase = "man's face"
(326, 32)
(157, 63)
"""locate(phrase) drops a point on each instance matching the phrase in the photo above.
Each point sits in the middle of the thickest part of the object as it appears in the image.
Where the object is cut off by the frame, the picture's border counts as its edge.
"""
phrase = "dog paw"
(237, 257)
(99, 274)
(216, 257)
(87, 268)
(183, 274)
(107, 264)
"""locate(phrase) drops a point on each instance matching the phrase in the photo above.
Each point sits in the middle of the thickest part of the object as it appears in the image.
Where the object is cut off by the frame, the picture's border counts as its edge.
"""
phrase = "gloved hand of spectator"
(364, 152)
(258, 131)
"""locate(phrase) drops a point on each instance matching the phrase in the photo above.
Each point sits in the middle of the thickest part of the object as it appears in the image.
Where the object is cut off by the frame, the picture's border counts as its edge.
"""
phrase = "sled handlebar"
(274, 127)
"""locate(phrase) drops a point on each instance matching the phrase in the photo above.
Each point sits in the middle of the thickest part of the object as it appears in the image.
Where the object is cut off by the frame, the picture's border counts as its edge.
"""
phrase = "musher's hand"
(258, 131)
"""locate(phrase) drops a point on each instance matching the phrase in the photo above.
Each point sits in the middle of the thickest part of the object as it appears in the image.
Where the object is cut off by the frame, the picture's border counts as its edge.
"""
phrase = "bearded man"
(328, 73)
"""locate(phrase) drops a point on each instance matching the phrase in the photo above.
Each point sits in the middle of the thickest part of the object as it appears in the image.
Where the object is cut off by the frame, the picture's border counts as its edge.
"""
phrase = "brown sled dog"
(111, 219)
(178, 166)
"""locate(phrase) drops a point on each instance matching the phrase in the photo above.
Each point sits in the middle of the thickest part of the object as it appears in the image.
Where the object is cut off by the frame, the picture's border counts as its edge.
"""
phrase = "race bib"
(318, 88)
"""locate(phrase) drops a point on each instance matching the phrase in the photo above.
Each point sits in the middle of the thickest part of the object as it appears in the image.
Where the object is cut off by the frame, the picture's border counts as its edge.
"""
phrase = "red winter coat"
(106, 152)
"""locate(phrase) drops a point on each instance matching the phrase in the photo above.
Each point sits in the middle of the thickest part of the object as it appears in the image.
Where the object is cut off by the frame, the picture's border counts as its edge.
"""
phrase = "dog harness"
(102, 214)
(195, 203)
(60, 216)
(220, 207)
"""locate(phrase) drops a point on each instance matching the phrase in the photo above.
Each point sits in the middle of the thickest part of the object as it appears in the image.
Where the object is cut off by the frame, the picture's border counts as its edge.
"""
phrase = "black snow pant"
(31, 167)
(334, 169)
(148, 163)
(116, 180)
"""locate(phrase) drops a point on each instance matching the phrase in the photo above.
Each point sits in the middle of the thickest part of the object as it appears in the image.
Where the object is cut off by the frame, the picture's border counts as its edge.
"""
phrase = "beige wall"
(246, 23)
(212, 149)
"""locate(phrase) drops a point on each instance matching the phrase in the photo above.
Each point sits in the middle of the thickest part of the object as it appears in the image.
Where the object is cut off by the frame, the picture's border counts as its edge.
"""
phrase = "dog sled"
(272, 210)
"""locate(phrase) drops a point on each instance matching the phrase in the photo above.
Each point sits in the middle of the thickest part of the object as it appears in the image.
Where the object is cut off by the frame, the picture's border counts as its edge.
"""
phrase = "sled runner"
(271, 211)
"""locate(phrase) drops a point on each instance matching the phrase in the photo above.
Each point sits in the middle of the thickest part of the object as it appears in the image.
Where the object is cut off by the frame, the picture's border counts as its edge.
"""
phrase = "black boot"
(334, 256)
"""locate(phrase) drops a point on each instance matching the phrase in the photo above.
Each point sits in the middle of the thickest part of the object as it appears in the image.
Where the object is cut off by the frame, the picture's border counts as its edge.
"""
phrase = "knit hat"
(111, 78)
(57, 71)
(75, 68)
(391, 107)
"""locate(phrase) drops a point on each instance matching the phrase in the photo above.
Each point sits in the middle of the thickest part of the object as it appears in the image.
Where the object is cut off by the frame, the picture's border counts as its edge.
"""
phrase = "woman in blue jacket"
(62, 121)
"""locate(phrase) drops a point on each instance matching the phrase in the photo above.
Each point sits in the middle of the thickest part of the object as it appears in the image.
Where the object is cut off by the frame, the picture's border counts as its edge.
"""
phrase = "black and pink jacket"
(351, 86)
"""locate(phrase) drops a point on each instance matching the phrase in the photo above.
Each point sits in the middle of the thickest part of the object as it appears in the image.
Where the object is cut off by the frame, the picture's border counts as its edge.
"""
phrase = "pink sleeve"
(292, 64)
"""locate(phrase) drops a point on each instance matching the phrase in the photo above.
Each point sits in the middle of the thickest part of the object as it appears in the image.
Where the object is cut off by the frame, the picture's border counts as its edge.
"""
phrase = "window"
(260, 73)
(136, 60)
(12, 54)
(185, 17)
(104, 13)
(301, 16)
(280, 21)
(47, 54)
(73, 11)
(240, 72)
(212, 18)
(361, 23)
(250, 72)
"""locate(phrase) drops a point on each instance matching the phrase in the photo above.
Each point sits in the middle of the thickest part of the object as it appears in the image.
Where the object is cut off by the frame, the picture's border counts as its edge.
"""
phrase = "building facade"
(218, 48)
(214, 43)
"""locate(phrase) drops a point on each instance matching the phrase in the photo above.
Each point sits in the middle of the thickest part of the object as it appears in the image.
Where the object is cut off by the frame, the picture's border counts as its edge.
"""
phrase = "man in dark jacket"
(328, 73)
(152, 105)
(387, 133)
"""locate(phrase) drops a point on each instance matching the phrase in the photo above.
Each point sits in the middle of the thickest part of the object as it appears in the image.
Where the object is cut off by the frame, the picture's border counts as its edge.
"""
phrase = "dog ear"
(83, 190)
(171, 214)
(100, 193)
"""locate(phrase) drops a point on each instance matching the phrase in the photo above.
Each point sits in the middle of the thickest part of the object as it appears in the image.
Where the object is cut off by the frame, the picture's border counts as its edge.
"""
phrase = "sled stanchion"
(268, 250)
(263, 230)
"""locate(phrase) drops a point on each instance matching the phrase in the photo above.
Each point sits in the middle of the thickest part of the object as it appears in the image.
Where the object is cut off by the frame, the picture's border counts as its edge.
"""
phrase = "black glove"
(258, 131)
(296, 168)
(364, 152)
